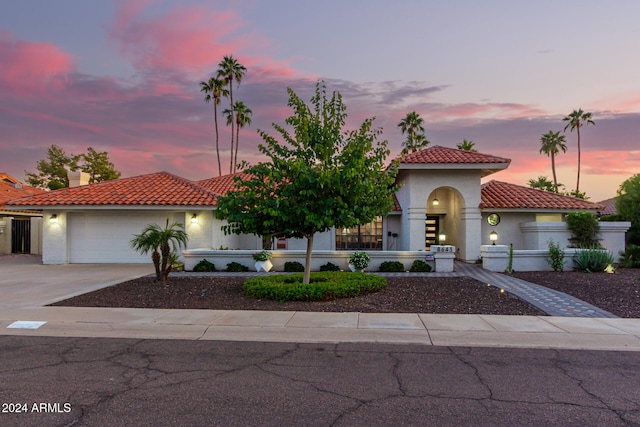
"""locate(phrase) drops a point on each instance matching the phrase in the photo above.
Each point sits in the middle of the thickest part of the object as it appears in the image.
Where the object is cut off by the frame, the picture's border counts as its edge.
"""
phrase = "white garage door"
(105, 238)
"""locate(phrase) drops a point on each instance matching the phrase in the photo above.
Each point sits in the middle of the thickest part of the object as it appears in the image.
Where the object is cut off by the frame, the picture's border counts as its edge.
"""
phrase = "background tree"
(214, 90)
(412, 125)
(467, 146)
(542, 183)
(243, 117)
(229, 69)
(52, 172)
(628, 207)
(551, 144)
(576, 120)
(163, 244)
(319, 177)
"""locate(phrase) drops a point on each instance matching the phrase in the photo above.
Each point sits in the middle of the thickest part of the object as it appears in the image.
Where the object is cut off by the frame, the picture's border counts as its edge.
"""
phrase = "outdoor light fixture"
(442, 236)
(53, 219)
(493, 236)
(194, 219)
(435, 201)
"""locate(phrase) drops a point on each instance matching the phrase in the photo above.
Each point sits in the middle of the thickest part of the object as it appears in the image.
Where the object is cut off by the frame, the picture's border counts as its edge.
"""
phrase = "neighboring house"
(19, 229)
(609, 206)
(441, 201)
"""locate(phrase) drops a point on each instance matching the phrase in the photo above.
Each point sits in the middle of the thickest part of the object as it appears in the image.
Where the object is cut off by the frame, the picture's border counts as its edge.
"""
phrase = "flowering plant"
(360, 260)
(262, 256)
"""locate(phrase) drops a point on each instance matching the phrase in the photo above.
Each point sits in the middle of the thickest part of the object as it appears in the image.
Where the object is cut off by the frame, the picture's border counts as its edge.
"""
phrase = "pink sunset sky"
(123, 77)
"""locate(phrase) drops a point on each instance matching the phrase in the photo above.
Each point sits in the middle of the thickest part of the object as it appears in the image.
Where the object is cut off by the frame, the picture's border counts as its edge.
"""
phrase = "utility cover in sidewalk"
(25, 324)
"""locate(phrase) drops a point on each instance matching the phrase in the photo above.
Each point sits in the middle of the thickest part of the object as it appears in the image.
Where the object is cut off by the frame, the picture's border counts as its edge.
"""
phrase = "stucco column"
(54, 238)
(471, 230)
(415, 234)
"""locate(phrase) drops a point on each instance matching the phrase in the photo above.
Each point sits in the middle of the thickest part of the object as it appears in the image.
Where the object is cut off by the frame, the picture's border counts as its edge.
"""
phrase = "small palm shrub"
(204, 266)
(323, 286)
(392, 267)
(420, 266)
(556, 256)
(293, 267)
(593, 261)
(236, 267)
(630, 258)
(329, 267)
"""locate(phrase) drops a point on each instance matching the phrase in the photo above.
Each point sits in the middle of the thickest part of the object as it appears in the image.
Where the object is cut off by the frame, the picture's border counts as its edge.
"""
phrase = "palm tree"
(542, 183)
(576, 120)
(552, 143)
(228, 70)
(214, 90)
(467, 146)
(162, 243)
(412, 125)
(243, 117)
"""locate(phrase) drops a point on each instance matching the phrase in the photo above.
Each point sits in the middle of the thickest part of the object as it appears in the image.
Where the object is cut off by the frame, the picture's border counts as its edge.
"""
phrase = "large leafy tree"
(551, 145)
(229, 69)
(318, 176)
(628, 207)
(242, 118)
(163, 244)
(413, 126)
(575, 121)
(51, 173)
(214, 90)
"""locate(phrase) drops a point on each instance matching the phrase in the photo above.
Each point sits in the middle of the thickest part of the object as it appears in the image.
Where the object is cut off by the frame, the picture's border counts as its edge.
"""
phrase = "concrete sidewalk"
(27, 286)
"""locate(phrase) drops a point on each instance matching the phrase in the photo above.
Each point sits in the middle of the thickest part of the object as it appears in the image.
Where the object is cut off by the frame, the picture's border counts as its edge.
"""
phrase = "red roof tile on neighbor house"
(502, 195)
(609, 206)
(445, 155)
(156, 189)
(221, 184)
(11, 189)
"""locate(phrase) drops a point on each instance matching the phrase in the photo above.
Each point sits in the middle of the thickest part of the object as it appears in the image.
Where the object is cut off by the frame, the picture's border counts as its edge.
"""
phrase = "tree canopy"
(51, 173)
(628, 207)
(319, 176)
(412, 125)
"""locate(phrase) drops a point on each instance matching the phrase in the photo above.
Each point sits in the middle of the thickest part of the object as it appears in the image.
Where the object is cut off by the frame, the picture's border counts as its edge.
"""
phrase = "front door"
(431, 231)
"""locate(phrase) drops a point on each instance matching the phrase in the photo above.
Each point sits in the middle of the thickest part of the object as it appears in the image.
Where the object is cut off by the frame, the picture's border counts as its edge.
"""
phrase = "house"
(19, 229)
(442, 202)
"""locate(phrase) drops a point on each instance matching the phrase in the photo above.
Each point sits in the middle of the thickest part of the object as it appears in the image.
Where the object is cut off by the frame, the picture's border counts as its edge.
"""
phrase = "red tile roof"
(444, 155)
(156, 189)
(11, 188)
(221, 184)
(502, 195)
(609, 206)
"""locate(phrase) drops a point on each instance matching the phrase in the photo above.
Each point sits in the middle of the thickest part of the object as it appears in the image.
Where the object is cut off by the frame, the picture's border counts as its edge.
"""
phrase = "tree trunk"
(232, 124)
(307, 261)
(165, 258)
(553, 168)
(578, 182)
(155, 257)
(215, 119)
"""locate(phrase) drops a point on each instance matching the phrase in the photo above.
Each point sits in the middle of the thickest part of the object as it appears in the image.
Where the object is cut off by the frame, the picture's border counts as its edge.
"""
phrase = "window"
(366, 236)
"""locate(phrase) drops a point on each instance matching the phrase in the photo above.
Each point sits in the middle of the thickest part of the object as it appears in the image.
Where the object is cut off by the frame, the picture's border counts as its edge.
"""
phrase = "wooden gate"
(21, 236)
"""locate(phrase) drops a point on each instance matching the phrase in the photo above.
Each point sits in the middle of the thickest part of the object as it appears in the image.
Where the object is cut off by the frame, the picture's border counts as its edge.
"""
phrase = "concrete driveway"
(25, 282)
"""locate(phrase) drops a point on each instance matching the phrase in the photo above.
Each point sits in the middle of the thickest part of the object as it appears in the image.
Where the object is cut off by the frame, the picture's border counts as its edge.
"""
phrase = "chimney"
(78, 178)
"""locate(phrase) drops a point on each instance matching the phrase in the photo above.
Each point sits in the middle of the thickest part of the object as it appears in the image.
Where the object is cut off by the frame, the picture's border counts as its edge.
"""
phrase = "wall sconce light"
(442, 236)
(493, 236)
(53, 219)
(194, 219)
(435, 201)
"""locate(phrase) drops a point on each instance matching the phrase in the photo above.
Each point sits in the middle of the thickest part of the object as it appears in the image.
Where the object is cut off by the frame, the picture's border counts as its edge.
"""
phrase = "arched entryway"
(443, 217)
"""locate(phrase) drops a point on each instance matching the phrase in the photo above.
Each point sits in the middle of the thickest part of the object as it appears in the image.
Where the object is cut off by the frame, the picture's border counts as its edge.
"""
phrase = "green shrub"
(556, 256)
(593, 260)
(293, 267)
(630, 257)
(360, 260)
(392, 267)
(323, 286)
(329, 267)
(262, 256)
(204, 266)
(420, 266)
(236, 267)
(584, 228)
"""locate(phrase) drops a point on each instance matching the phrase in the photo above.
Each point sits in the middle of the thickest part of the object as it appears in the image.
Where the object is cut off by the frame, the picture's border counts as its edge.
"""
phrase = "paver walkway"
(552, 302)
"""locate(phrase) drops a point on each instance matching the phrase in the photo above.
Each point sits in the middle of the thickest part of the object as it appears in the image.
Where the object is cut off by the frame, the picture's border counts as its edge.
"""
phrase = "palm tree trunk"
(553, 168)
(307, 261)
(578, 182)
(215, 119)
(155, 257)
(235, 161)
(232, 123)
(165, 258)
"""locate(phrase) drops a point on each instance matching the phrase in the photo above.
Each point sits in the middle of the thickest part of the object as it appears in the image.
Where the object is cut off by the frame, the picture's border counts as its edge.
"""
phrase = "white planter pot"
(354, 269)
(265, 266)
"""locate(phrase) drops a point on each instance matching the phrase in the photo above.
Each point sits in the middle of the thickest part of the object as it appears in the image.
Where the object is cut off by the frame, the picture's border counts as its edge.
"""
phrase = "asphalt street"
(52, 381)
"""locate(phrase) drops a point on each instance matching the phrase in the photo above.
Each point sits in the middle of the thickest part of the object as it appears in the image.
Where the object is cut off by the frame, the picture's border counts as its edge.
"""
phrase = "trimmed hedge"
(329, 267)
(420, 266)
(392, 267)
(293, 267)
(236, 267)
(204, 266)
(323, 286)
